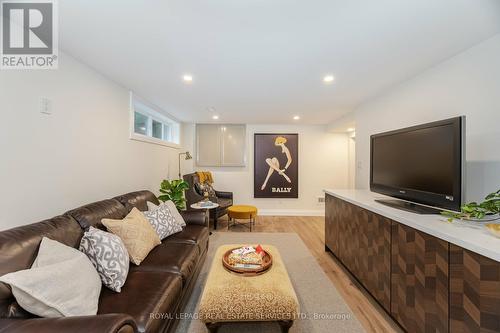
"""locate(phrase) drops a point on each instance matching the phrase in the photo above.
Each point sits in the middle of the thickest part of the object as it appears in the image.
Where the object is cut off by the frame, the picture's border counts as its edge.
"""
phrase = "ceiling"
(262, 61)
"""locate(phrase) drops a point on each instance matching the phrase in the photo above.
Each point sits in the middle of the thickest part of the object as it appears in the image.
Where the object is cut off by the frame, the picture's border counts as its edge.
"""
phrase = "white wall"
(467, 84)
(323, 163)
(79, 154)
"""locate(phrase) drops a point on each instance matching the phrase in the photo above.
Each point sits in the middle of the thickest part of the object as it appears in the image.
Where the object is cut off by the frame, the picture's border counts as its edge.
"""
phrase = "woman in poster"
(274, 163)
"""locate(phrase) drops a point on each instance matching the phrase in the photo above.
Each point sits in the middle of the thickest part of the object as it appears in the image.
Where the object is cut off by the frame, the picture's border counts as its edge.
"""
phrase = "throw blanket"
(205, 177)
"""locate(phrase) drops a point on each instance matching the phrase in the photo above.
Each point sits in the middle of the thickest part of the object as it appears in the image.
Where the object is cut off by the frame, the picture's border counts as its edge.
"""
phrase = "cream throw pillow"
(136, 233)
(62, 282)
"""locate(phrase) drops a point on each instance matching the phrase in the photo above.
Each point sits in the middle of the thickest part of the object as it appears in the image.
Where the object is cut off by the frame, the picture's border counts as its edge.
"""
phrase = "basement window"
(152, 125)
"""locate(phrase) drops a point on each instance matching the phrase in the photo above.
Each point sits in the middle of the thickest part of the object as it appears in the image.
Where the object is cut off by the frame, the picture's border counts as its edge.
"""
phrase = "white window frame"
(153, 113)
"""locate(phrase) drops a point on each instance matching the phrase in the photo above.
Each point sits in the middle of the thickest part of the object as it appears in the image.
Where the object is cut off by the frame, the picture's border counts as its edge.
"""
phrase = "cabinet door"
(332, 218)
(474, 292)
(208, 145)
(374, 255)
(234, 139)
(348, 236)
(419, 285)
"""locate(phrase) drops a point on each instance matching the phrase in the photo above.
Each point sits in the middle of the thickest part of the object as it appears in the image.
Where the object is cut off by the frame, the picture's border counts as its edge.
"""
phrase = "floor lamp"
(186, 157)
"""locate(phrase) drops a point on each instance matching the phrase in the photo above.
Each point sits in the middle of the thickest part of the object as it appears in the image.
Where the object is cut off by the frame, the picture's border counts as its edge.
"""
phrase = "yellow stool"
(241, 212)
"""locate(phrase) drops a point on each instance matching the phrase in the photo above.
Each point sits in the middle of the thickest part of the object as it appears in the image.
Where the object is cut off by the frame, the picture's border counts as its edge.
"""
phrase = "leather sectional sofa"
(155, 291)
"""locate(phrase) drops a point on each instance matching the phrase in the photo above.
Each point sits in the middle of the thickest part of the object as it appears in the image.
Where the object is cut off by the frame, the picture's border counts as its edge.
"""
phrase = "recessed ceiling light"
(328, 79)
(296, 117)
(215, 117)
(350, 129)
(187, 78)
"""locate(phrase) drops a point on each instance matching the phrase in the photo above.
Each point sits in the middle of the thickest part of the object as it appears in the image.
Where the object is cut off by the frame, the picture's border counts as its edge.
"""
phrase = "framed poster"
(276, 169)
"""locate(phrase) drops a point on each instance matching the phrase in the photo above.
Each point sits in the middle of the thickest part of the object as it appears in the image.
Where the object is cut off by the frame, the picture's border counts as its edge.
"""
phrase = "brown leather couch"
(224, 199)
(155, 291)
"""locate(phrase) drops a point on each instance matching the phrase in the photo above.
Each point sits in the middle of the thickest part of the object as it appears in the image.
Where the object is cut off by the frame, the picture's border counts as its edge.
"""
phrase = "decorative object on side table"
(174, 190)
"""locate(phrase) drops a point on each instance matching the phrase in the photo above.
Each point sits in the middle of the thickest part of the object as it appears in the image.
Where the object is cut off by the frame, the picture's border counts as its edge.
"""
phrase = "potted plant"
(488, 210)
(174, 190)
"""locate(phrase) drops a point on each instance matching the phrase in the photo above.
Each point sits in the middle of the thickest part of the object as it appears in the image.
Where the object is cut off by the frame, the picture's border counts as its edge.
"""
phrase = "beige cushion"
(136, 233)
(61, 282)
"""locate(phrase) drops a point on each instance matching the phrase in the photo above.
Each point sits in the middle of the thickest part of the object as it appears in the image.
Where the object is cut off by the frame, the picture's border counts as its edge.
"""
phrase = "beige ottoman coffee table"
(229, 297)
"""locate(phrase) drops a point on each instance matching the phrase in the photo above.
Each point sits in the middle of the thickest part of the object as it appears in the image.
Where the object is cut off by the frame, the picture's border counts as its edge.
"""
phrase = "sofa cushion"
(178, 258)
(173, 210)
(19, 248)
(92, 214)
(136, 233)
(146, 296)
(62, 282)
(137, 199)
(163, 221)
(109, 256)
(192, 234)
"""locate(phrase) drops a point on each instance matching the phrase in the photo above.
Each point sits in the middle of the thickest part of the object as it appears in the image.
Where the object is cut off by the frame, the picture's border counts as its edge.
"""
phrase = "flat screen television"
(421, 164)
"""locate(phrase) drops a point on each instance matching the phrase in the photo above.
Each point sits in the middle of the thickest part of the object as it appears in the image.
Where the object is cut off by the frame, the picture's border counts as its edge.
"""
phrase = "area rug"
(322, 309)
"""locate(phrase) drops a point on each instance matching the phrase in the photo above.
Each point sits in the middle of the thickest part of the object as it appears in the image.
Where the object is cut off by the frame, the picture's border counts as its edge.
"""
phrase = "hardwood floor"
(312, 232)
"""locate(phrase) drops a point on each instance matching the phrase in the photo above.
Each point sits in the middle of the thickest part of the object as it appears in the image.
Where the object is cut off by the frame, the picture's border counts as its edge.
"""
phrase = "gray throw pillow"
(109, 256)
(163, 221)
(173, 210)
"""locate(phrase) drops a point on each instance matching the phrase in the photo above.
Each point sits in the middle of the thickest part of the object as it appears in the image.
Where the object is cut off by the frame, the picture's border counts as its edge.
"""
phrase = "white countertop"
(471, 237)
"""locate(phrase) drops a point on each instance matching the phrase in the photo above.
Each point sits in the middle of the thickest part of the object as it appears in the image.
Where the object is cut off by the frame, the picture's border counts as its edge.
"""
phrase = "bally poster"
(276, 170)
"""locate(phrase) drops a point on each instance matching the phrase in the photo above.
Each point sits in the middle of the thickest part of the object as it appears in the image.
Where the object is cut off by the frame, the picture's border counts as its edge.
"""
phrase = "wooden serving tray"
(267, 262)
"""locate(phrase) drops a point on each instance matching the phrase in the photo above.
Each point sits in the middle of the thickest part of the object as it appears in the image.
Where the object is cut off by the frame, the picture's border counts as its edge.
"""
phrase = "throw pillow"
(151, 206)
(201, 188)
(62, 282)
(173, 210)
(163, 221)
(136, 233)
(109, 256)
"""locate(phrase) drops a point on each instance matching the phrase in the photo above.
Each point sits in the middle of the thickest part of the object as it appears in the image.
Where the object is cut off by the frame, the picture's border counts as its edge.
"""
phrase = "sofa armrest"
(194, 217)
(224, 195)
(112, 323)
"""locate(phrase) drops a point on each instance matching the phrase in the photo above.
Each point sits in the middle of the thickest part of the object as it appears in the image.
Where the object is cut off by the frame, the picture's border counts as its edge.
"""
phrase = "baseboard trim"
(291, 212)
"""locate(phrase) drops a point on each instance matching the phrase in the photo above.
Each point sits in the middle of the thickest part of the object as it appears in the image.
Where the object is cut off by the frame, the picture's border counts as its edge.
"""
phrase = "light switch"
(45, 105)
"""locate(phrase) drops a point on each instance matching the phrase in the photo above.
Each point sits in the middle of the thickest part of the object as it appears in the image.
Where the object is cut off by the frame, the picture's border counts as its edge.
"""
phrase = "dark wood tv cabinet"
(428, 281)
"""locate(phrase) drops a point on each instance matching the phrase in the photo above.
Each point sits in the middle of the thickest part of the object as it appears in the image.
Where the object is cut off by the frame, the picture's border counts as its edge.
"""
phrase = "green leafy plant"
(490, 206)
(174, 190)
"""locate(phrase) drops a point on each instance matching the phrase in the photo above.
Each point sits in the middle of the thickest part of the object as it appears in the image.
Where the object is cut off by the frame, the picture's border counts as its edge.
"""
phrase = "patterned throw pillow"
(201, 188)
(163, 221)
(173, 210)
(136, 233)
(175, 213)
(109, 256)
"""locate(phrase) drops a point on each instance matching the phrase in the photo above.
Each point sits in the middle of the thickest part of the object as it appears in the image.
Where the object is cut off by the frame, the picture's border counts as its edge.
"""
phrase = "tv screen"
(422, 164)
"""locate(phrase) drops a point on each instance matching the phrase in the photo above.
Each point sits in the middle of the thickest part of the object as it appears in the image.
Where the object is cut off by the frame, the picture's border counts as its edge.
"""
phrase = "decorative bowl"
(267, 262)
(494, 229)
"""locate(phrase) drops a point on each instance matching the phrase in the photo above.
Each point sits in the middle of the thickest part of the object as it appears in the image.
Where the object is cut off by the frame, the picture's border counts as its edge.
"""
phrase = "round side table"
(207, 211)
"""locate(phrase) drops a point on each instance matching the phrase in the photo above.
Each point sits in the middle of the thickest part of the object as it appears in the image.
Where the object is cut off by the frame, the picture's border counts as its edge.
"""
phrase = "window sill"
(155, 141)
